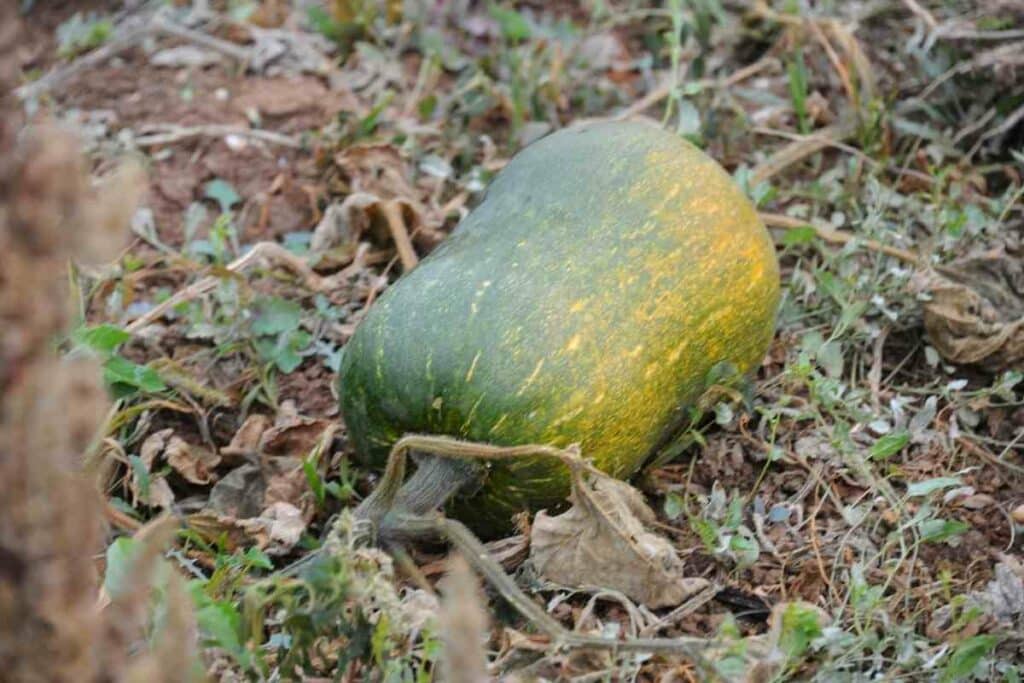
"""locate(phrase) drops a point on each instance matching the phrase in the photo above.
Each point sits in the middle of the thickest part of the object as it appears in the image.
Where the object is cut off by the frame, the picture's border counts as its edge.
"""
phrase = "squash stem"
(435, 481)
(446, 467)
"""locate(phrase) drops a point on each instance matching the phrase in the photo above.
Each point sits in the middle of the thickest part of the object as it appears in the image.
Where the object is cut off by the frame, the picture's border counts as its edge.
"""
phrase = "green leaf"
(889, 445)
(689, 118)
(966, 655)
(223, 193)
(120, 560)
(513, 25)
(276, 315)
(923, 488)
(746, 549)
(708, 533)
(221, 623)
(101, 338)
(797, 236)
(674, 505)
(141, 474)
(830, 358)
(935, 530)
(257, 558)
(118, 370)
(800, 627)
(797, 72)
(316, 482)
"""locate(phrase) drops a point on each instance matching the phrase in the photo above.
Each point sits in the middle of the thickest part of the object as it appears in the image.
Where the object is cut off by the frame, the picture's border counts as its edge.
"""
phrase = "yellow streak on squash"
(472, 367)
(531, 378)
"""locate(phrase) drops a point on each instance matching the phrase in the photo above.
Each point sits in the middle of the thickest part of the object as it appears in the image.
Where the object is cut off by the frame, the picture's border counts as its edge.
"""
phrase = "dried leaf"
(246, 441)
(194, 463)
(234, 533)
(977, 315)
(293, 435)
(377, 169)
(160, 494)
(285, 524)
(156, 492)
(604, 540)
(153, 446)
(239, 494)
(286, 482)
(363, 213)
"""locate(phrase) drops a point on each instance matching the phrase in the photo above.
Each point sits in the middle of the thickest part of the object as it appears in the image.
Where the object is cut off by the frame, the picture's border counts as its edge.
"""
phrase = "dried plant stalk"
(51, 519)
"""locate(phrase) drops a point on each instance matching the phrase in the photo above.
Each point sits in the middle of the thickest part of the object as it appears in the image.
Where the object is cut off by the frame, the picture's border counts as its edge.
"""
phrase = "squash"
(607, 270)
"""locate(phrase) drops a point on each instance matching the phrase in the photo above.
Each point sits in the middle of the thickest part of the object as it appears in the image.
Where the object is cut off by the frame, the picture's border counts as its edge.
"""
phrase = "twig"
(921, 13)
(984, 454)
(777, 220)
(1009, 122)
(86, 61)
(663, 90)
(129, 38)
(262, 250)
(972, 34)
(1010, 53)
(837, 64)
(689, 607)
(392, 211)
(166, 133)
(875, 373)
(476, 554)
(222, 46)
(898, 171)
(801, 149)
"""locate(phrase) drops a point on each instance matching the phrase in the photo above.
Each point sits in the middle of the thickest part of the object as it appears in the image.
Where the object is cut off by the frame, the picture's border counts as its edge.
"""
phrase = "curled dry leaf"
(246, 441)
(378, 180)
(293, 435)
(286, 482)
(194, 463)
(604, 540)
(153, 446)
(234, 533)
(976, 315)
(157, 492)
(276, 530)
(285, 524)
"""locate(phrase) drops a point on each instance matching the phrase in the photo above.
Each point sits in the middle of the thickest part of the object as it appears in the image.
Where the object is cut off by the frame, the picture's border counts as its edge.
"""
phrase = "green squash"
(585, 300)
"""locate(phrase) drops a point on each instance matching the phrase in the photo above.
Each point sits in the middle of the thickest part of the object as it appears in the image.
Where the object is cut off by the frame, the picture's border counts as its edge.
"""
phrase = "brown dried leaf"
(236, 533)
(153, 446)
(377, 169)
(194, 463)
(284, 525)
(246, 441)
(286, 482)
(976, 316)
(293, 435)
(604, 541)
(239, 493)
(363, 213)
(159, 492)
